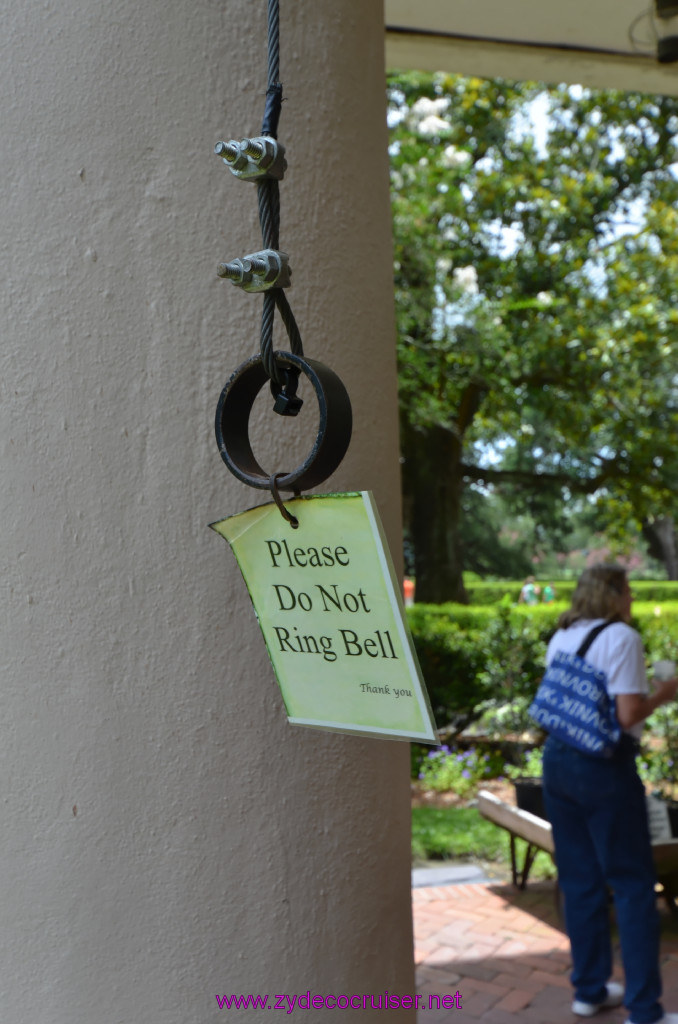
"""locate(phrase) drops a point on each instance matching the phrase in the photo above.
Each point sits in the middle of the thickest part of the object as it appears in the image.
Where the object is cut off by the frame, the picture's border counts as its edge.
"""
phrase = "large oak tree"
(536, 277)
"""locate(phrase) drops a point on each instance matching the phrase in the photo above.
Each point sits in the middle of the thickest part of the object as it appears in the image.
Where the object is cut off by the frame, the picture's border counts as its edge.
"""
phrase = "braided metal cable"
(290, 323)
(268, 197)
(273, 42)
(267, 315)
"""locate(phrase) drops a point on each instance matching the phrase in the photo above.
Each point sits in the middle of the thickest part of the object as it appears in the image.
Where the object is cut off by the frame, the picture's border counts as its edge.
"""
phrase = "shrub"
(458, 771)
(657, 591)
(486, 661)
(657, 623)
(494, 658)
(482, 593)
(451, 661)
(529, 768)
(514, 665)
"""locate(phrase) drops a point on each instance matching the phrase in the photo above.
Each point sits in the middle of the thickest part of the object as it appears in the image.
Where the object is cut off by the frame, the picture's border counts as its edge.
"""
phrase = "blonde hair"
(599, 595)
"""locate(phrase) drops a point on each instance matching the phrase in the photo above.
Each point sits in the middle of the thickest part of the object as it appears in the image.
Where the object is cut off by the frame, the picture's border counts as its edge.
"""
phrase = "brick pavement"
(507, 955)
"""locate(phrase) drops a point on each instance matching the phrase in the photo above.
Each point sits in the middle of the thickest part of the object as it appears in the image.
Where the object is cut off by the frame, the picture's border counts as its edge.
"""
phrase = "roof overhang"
(609, 44)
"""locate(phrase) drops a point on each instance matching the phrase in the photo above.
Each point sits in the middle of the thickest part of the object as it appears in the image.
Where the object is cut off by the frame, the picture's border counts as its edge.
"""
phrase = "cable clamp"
(254, 159)
(259, 271)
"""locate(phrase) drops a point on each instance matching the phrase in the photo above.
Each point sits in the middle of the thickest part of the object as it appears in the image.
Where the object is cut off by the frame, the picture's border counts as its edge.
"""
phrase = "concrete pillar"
(166, 835)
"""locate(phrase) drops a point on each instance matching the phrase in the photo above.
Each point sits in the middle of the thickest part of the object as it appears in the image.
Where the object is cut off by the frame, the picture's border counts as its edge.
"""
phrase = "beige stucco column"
(166, 835)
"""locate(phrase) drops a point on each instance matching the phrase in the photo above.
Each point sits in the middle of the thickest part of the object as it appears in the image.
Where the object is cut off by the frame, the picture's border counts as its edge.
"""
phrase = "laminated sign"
(329, 606)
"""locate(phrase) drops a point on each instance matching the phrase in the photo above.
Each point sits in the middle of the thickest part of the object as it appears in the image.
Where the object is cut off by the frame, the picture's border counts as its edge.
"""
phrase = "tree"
(660, 534)
(536, 296)
(495, 541)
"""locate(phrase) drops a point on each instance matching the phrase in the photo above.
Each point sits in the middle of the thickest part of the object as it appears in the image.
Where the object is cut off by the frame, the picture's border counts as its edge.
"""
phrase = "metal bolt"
(254, 159)
(253, 148)
(258, 271)
(238, 271)
(228, 270)
(228, 151)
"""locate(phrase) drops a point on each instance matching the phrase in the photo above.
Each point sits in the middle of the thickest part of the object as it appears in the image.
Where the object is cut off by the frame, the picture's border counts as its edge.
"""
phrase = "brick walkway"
(506, 954)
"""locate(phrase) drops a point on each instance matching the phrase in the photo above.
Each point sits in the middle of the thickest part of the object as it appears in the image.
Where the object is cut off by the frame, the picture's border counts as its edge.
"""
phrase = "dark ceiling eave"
(452, 38)
(426, 50)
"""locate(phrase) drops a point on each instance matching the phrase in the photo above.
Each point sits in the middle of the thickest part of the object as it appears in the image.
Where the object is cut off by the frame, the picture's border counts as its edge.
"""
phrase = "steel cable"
(268, 197)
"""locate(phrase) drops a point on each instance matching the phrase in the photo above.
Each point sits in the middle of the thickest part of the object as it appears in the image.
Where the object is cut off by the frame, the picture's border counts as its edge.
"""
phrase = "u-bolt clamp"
(254, 159)
(259, 271)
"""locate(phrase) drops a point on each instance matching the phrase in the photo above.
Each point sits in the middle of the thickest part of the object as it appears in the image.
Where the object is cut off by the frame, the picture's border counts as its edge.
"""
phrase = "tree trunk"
(433, 485)
(660, 535)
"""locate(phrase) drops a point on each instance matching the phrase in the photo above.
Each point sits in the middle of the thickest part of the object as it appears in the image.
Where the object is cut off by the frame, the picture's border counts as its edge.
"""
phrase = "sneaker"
(614, 997)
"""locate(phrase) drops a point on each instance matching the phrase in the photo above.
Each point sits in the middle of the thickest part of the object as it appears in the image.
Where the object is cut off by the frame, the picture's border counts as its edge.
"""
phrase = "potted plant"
(658, 762)
(527, 781)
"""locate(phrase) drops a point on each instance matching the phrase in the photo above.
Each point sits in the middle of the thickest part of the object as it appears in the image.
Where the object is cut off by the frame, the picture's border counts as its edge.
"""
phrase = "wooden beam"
(520, 823)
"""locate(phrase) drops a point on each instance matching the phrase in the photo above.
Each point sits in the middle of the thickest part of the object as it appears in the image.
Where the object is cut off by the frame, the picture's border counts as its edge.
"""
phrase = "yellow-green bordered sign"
(329, 606)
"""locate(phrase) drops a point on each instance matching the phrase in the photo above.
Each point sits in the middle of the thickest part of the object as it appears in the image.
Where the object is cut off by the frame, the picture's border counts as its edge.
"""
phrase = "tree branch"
(580, 485)
(469, 404)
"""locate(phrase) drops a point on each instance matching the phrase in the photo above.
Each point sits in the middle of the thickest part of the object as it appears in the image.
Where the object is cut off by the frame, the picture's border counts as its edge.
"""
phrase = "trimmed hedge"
(481, 593)
(473, 656)
(492, 593)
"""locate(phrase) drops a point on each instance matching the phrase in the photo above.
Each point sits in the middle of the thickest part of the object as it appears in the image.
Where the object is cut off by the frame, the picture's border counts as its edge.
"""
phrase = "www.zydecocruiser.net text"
(308, 1001)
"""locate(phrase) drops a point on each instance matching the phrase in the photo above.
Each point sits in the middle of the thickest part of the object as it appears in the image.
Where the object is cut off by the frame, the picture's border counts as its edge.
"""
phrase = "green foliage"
(528, 768)
(461, 833)
(451, 660)
(475, 659)
(482, 593)
(515, 652)
(495, 542)
(484, 662)
(657, 623)
(442, 833)
(458, 771)
(465, 617)
(658, 762)
(536, 300)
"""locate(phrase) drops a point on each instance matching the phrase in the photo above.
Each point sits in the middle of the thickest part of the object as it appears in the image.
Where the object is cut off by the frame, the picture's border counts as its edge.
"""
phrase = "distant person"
(597, 809)
(529, 593)
(549, 594)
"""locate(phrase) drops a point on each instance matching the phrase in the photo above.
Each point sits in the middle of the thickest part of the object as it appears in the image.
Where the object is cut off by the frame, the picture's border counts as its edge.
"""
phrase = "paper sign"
(329, 606)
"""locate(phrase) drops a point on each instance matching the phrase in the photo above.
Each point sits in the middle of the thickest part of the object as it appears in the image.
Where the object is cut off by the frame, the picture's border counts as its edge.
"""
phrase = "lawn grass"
(460, 833)
(454, 832)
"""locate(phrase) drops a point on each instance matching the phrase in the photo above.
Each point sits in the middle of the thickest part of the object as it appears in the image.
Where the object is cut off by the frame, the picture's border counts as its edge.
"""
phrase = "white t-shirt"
(617, 651)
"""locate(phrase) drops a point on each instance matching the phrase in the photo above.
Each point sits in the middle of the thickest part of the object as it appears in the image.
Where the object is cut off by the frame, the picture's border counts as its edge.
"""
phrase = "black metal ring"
(232, 424)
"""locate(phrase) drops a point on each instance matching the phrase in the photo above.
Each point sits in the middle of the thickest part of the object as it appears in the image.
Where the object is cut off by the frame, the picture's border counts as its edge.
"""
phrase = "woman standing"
(597, 809)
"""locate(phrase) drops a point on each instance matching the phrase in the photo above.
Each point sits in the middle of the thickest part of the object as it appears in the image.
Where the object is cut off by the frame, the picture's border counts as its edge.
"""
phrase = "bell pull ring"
(232, 424)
